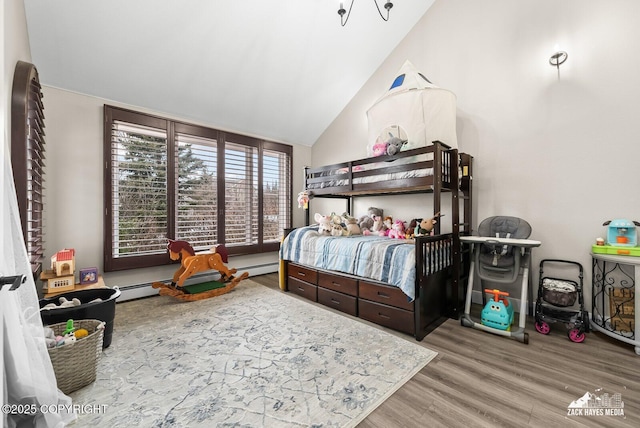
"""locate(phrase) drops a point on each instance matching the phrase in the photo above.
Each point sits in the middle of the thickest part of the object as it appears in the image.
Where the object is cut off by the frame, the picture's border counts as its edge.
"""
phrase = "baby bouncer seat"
(501, 252)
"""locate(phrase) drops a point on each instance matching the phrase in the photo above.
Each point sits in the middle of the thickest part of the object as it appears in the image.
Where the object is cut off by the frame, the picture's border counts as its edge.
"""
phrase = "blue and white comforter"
(391, 261)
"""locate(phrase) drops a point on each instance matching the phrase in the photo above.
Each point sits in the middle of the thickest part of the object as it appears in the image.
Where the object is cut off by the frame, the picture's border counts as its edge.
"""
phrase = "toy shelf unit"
(614, 297)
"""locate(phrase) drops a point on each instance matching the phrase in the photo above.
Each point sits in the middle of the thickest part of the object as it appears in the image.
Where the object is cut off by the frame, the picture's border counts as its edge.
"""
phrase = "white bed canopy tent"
(413, 109)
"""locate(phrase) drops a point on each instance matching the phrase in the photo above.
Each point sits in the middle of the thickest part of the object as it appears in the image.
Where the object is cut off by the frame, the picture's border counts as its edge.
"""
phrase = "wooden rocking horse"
(192, 263)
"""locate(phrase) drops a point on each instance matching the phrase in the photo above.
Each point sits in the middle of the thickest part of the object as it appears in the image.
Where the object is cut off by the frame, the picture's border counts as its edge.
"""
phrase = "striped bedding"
(391, 261)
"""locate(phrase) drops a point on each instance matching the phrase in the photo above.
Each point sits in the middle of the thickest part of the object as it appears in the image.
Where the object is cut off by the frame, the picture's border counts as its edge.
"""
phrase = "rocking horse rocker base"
(193, 263)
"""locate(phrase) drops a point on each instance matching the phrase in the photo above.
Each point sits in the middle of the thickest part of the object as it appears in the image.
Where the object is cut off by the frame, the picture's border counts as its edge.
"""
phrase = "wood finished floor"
(483, 380)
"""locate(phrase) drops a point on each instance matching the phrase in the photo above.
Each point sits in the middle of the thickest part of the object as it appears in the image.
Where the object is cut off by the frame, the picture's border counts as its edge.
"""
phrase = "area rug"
(254, 357)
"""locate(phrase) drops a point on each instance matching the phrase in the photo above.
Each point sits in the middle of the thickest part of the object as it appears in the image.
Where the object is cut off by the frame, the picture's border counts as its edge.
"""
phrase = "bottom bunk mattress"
(391, 261)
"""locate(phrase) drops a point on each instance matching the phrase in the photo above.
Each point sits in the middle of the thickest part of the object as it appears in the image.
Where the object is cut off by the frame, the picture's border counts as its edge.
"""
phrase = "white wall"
(558, 149)
(74, 178)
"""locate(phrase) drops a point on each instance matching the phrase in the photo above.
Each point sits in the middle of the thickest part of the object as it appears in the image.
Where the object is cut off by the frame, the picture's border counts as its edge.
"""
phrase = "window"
(167, 179)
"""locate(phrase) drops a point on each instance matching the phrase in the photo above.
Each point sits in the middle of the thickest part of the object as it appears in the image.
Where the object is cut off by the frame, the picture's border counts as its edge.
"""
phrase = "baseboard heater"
(137, 291)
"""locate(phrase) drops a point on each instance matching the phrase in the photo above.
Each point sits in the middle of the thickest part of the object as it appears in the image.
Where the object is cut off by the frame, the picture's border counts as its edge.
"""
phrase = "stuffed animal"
(379, 149)
(426, 225)
(80, 333)
(64, 303)
(387, 224)
(377, 228)
(303, 200)
(365, 222)
(324, 224)
(351, 224)
(337, 227)
(338, 230)
(394, 145)
(397, 230)
(410, 231)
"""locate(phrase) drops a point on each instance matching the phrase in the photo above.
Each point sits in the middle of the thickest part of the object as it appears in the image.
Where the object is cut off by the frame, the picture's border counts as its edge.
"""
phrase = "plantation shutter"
(276, 194)
(27, 157)
(139, 203)
(241, 194)
(197, 191)
(166, 179)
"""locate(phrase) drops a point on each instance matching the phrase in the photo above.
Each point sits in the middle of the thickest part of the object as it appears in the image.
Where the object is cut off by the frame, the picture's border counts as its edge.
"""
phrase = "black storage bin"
(103, 311)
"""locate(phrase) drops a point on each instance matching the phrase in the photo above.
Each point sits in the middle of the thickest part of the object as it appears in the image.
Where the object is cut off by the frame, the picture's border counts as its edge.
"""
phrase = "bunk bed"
(409, 285)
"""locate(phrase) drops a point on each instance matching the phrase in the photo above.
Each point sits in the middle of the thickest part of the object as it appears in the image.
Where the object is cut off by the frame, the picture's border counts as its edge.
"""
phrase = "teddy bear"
(351, 224)
(365, 222)
(324, 224)
(426, 225)
(397, 230)
(375, 228)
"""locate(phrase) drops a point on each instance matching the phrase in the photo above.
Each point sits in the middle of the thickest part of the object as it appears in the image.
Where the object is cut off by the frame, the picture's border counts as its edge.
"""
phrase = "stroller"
(557, 297)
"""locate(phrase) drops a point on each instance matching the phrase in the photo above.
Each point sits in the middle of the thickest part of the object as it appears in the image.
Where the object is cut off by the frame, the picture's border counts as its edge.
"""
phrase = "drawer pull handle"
(381, 294)
(302, 274)
(335, 283)
(335, 301)
(301, 289)
(383, 316)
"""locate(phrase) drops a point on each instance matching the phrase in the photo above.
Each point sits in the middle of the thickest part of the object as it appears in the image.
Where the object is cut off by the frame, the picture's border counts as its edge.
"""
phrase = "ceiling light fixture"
(558, 58)
(343, 21)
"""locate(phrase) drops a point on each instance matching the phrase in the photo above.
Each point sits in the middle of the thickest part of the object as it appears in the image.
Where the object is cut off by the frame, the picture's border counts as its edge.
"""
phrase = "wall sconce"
(388, 5)
(558, 58)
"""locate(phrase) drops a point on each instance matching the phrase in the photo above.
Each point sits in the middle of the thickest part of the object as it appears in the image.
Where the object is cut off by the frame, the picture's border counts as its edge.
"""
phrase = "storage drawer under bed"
(302, 273)
(303, 289)
(388, 316)
(338, 283)
(385, 294)
(339, 301)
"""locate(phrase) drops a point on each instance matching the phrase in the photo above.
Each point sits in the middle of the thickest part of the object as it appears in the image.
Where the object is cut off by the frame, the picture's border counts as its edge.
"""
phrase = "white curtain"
(28, 376)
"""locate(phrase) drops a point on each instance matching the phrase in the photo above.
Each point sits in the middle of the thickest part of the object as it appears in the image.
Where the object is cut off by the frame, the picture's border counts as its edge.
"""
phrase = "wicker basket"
(75, 365)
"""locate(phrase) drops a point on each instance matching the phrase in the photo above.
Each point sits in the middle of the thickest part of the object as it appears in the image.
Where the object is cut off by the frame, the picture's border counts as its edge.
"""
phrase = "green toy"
(70, 328)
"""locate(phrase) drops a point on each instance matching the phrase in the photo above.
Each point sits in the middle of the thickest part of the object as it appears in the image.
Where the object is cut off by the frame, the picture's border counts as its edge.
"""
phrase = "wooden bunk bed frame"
(438, 291)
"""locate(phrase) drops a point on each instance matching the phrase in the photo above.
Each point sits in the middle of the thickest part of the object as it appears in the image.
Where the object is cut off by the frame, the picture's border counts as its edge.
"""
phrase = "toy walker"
(500, 254)
(498, 312)
(561, 299)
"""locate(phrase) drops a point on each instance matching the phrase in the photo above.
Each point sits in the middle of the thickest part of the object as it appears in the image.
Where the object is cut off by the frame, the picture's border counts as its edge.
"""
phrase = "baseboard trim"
(138, 291)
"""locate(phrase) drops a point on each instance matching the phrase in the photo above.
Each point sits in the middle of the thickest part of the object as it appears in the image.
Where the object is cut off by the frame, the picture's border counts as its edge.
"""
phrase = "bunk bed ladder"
(466, 226)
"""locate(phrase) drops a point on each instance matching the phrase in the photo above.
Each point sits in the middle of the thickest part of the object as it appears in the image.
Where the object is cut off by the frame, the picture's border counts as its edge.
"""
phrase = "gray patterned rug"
(254, 357)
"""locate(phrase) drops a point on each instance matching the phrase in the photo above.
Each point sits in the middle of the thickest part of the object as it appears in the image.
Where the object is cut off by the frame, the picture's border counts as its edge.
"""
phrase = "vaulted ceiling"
(281, 70)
